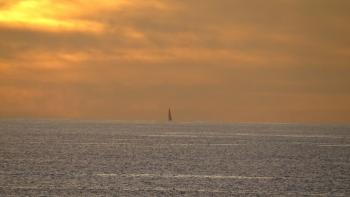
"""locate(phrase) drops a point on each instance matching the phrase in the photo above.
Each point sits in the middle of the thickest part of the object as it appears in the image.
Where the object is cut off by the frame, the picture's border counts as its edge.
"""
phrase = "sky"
(209, 60)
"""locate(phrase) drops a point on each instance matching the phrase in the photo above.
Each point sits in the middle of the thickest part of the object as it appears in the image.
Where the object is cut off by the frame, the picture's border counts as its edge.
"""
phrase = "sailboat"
(170, 118)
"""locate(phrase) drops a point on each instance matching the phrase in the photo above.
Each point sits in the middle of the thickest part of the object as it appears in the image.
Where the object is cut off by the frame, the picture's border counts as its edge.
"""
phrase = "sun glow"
(47, 15)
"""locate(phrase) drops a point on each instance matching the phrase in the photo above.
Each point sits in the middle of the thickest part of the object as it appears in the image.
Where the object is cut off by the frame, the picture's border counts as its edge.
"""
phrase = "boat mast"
(170, 118)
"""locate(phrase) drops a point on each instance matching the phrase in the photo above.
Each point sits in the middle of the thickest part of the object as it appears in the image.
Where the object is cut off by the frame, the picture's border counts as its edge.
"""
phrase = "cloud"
(214, 60)
(48, 15)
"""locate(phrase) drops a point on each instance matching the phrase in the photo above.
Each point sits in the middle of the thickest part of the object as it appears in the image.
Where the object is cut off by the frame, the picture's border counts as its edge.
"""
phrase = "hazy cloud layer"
(220, 60)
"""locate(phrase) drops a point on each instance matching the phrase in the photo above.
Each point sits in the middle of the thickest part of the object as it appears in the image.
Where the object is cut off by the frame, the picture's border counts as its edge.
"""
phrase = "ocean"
(115, 158)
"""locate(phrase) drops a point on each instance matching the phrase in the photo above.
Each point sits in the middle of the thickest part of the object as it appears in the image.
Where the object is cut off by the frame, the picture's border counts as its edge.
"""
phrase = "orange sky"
(210, 60)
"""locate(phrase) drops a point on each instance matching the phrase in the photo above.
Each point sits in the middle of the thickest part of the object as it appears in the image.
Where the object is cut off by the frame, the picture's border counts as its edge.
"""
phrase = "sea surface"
(106, 158)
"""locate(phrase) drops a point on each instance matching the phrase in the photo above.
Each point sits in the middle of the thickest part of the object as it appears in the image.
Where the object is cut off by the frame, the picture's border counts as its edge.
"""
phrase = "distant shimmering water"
(82, 158)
